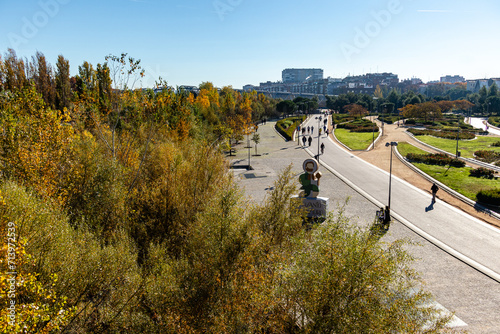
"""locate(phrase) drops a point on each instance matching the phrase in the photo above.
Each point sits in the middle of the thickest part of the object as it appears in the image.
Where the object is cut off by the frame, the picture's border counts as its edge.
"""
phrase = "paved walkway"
(454, 231)
(457, 286)
(380, 157)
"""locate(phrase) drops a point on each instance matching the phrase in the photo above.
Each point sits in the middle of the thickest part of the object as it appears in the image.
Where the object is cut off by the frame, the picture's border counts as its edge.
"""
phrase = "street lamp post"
(458, 134)
(391, 144)
(319, 126)
(373, 133)
(249, 130)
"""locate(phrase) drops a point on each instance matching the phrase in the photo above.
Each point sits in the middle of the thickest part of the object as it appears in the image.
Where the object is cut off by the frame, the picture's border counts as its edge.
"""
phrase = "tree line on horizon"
(119, 213)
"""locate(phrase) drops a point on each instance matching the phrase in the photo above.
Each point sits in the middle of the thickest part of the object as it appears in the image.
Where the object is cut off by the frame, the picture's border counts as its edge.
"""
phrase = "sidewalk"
(380, 157)
(456, 285)
(465, 237)
(275, 154)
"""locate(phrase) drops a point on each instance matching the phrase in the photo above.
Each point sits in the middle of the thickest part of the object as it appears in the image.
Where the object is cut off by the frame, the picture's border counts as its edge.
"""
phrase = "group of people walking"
(307, 133)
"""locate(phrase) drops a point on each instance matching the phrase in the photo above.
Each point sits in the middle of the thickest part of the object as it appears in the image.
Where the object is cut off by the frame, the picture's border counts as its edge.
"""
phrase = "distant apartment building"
(365, 84)
(452, 79)
(310, 81)
(475, 85)
(300, 75)
(249, 88)
(410, 84)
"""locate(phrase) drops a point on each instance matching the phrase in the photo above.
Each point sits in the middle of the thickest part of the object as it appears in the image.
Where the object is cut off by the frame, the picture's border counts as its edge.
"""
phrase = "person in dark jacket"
(434, 190)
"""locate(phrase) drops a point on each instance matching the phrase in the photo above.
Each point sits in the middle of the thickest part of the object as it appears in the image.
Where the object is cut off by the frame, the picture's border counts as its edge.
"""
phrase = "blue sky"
(238, 42)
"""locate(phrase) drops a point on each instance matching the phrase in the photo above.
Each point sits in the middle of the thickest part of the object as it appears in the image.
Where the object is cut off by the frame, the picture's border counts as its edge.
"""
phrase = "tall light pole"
(458, 133)
(319, 126)
(249, 130)
(391, 144)
(373, 133)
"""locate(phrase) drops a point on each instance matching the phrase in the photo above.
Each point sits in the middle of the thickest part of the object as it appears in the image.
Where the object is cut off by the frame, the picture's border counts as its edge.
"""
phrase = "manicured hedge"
(495, 121)
(287, 126)
(487, 156)
(342, 118)
(489, 196)
(359, 125)
(389, 118)
(482, 172)
(440, 159)
(464, 135)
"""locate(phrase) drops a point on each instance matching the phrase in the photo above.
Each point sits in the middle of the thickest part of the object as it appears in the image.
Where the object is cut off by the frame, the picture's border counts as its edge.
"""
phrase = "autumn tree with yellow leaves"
(126, 219)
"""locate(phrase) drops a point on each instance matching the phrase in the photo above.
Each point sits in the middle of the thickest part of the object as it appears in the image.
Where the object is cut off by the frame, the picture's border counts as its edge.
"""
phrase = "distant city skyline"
(237, 42)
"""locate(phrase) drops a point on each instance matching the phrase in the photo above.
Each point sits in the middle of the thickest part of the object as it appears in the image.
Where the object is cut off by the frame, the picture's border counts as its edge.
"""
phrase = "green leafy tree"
(394, 97)
(285, 107)
(493, 91)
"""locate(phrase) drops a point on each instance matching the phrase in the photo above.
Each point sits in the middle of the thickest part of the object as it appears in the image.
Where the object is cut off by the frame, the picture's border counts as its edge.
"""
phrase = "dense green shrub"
(287, 126)
(491, 197)
(439, 159)
(482, 172)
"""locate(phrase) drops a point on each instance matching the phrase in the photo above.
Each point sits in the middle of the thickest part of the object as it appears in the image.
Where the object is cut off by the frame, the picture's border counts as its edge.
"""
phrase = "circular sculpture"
(310, 179)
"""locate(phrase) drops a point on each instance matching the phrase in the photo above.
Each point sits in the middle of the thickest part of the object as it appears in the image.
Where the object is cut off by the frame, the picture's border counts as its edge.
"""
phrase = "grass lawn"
(457, 179)
(355, 140)
(466, 147)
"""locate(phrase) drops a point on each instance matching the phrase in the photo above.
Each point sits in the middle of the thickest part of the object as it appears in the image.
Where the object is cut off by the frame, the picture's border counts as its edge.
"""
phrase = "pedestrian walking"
(320, 131)
(304, 140)
(308, 129)
(310, 140)
(312, 129)
(322, 148)
(324, 128)
(434, 190)
(303, 131)
(327, 132)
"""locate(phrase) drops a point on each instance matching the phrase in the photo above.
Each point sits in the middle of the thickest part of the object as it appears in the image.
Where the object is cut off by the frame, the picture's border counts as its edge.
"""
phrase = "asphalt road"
(457, 286)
